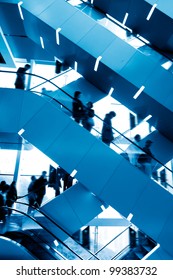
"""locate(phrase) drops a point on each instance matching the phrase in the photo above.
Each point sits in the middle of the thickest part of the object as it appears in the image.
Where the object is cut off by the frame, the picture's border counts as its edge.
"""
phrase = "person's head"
(33, 178)
(77, 94)
(148, 143)
(112, 114)
(27, 66)
(89, 104)
(44, 173)
(137, 137)
(3, 183)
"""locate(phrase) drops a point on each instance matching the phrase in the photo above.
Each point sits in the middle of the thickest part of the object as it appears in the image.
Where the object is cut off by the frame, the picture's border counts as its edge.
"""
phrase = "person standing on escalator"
(78, 111)
(107, 131)
(40, 188)
(20, 79)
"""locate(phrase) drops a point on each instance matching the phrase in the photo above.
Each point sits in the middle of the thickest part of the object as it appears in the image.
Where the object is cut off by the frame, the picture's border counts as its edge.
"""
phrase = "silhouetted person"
(20, 79)
(40, 188)
(145, 160)
(4, 187)
(32, 194)
(77, 107)
(133, 151)
(55, 177)
(88, 121)
(68, 181)
(11, 196)
(107, 132)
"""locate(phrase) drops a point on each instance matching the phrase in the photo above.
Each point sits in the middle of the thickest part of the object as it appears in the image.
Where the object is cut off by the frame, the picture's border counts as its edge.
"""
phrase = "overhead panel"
(60, 13)
(138, 69)
(74, 208)
(95, 160)
(11, 114)
(84, 203)
(39, 128)
(101, 36)
(118, 189)
(75, 28)
(150, 214)
(34, 103)
(159, 86)
(39, 8)
(69, 146)
(114, 57)
(166, 233)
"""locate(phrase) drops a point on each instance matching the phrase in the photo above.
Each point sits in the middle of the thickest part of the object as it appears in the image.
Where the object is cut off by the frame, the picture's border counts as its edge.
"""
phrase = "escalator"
(103, 178)
(44, 244)
(123, 69)
(37, 239)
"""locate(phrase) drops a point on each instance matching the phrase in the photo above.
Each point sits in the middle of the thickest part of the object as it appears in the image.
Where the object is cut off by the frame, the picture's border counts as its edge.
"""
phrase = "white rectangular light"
(103, 207)
(21, 131)
(75, 66)
(97, 63)
(42, 42)
(130, 216)
(151, 11)
(147, 118)
(139, 92)
(20, 10)
(73, 173)
(57, 35)
(125, 18)
(111, 91)
(56, 242)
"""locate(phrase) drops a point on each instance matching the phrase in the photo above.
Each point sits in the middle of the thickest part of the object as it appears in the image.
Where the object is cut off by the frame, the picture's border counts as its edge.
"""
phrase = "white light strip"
(21, 131)
(130, 216)
(97, 63)
(56, 242)
(139, 92)
(125, 18)
(42, 42)
(92, 1)
(20, 10)
(151, 252)
(73, 173)
(151, 12)
(147, 118)
(111, 91)
(75, 66)
(57, 35)
(167, 65)
(103, 207)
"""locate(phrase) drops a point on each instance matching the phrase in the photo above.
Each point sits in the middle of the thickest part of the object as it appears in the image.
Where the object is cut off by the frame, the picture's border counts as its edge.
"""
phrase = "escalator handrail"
(113, 239)
(62, 229)
(59, 75)
(38, 223)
